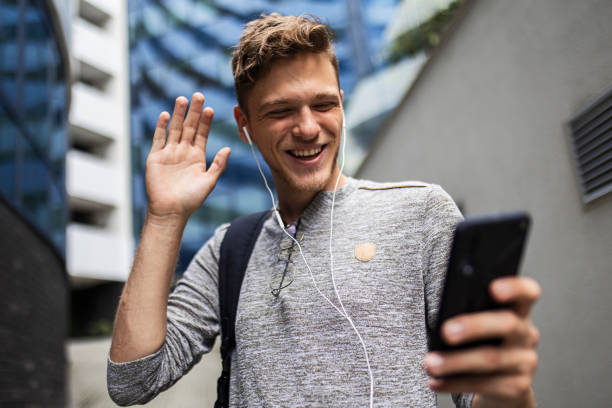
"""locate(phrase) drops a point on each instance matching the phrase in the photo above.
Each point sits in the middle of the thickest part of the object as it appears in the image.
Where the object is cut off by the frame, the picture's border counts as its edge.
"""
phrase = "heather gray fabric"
(295, 350)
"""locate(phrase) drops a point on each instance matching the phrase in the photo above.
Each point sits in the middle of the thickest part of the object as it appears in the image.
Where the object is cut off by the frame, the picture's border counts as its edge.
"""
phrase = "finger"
(218, 164)
(482, 360)
(159, 137)
(534, 337)
(203, 128)
(516, 387)
(485, 325)
(192, 119)
(522, 292)
(176, 126)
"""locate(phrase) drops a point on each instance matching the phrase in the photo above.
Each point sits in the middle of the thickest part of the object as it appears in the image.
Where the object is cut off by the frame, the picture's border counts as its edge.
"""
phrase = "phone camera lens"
(467, 270)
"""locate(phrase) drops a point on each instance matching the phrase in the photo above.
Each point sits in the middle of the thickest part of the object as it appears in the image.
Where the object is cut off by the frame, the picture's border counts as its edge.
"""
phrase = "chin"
(311, 183)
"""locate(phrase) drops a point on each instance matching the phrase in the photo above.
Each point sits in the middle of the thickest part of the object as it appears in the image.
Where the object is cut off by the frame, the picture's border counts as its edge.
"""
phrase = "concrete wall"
(486, 121)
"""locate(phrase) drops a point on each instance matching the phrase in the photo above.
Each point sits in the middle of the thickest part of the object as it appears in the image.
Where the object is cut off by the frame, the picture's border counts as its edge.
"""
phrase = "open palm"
(177, 179)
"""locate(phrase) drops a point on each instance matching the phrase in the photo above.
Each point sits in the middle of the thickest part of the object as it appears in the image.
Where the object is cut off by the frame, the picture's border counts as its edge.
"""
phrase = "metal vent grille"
(591, 143)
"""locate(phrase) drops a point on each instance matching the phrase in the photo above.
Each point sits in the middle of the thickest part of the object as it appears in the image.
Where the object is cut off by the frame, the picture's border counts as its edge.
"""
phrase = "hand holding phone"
(484, 248)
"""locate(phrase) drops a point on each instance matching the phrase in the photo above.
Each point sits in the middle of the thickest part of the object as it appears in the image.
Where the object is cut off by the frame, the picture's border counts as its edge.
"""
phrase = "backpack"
(235, 253)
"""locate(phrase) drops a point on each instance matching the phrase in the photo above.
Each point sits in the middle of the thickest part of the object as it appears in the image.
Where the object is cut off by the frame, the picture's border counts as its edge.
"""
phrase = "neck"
(293, 202)
(291, 208)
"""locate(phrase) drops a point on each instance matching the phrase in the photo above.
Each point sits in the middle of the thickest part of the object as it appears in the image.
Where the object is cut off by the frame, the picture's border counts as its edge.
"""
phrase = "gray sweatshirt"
(295, 349)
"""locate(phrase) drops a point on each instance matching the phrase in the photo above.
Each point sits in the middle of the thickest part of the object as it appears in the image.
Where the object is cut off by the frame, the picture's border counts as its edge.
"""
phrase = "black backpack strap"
(235, 253)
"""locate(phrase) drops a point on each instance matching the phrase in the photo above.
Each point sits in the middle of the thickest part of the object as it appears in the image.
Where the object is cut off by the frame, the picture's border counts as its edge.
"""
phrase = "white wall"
(486, 121)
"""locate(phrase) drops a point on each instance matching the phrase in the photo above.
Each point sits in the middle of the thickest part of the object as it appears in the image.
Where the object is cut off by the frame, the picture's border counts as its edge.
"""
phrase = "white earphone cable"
(331, 261)
(341, 310)
(280, 223)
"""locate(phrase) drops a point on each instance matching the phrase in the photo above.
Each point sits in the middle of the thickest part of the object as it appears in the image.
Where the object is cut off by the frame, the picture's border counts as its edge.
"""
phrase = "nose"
(307, 127)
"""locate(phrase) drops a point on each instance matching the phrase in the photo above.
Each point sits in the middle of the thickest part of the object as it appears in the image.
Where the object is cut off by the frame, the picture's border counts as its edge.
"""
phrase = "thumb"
(219, 163)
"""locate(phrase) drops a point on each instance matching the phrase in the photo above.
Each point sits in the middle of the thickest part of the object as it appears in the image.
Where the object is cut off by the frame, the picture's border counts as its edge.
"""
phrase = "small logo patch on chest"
(365, 252)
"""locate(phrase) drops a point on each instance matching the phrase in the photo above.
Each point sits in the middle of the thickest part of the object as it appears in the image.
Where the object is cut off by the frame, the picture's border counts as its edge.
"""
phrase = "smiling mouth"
(306, 154)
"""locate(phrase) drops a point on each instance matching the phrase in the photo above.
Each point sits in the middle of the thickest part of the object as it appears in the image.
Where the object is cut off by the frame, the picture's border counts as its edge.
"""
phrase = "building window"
(591, 145)
(33, 116)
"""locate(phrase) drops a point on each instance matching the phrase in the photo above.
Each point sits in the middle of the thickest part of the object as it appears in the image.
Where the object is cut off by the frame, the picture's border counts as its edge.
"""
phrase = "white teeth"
(305, 153)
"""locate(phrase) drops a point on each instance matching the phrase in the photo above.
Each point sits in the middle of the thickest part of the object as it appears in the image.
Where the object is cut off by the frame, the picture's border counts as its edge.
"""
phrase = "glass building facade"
(34, 289)
(181, 46)
(33, 116)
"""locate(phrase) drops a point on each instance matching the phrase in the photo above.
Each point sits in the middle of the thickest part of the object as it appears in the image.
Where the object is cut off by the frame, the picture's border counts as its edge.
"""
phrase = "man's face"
(295, 119)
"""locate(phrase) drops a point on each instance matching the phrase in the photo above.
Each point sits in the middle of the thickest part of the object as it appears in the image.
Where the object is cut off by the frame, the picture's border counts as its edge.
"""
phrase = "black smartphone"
(484, 248)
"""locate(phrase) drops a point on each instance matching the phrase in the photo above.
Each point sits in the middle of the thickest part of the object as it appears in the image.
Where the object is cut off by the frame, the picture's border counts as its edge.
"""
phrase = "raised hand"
(501, 376)
(177, 180)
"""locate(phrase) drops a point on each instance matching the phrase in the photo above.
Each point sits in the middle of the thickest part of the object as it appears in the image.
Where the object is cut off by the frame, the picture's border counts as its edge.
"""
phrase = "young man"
(297, 344)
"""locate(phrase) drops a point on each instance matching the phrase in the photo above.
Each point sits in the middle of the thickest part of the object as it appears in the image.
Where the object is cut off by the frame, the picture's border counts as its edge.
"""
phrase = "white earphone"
(279, 220)
(246, 133)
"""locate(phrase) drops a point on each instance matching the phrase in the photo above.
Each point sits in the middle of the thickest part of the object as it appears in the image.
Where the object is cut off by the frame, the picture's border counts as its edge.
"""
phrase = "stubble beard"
(311, 185)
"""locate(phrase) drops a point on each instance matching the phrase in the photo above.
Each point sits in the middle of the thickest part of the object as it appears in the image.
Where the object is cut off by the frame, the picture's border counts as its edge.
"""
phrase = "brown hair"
(271, 37)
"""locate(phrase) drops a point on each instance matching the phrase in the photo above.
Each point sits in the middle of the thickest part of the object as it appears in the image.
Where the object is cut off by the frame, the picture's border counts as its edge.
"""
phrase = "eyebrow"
(288, 101)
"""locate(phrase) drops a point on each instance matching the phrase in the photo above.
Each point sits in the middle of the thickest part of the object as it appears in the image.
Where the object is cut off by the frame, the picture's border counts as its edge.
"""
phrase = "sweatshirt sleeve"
(192, 326)
(441, 217)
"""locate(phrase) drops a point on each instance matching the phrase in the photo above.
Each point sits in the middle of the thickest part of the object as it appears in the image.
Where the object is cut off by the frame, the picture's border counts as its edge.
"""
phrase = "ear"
(341, 95)
(241, 121)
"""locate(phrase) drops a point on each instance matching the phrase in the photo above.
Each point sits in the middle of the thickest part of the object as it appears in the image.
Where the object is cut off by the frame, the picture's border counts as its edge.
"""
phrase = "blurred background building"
(34, 103)
(99, 234)
(499, 102)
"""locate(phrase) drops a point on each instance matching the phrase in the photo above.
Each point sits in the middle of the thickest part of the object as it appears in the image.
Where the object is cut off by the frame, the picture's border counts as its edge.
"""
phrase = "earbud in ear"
(246, 133)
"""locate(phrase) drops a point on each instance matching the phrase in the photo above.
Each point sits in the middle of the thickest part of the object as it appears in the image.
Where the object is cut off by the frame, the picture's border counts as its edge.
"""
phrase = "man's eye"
(279, 113)
(324, 106)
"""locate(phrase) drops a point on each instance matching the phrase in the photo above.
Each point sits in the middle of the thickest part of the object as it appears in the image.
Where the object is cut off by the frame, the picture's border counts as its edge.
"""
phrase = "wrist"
(484, 401)
(168, 222)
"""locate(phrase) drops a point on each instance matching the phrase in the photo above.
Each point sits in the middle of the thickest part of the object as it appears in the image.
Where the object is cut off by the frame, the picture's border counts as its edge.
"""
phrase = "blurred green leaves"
(100, 327)
(425, 36)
